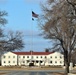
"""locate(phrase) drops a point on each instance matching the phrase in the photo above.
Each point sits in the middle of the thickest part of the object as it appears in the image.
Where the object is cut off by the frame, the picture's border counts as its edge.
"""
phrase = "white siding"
(9, 59)
(55, 58)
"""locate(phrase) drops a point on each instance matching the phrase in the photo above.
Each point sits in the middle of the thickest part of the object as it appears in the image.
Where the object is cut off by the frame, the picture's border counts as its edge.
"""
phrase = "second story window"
(13, 56)
(23, 56)
(31, 56)
(27, 56)
(45, 57)
(55, 56)
(18, 56)
(41, 56)
(61, 57)
(50, 56)
(36, 56)
(8, 56)
(4, 56)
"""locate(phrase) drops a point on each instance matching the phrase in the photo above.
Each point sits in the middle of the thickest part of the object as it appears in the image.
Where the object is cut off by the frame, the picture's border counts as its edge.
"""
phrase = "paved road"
(47, 72)
(27, 73)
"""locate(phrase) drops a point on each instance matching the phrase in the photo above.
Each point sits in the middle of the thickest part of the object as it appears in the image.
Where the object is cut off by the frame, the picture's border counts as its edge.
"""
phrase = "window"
(8, 61)
(50, 61)
(60, 61)
(13, 56)
(36, 56)
(50, 56)
(37, 61)
(41, 56)
(4, 56)
(13, 61)
(19, 56)
(41, 61)
(23, 61)
(27, 61)
(8, 56)
(55, 61)
(27, 56)
(31, 56)
(4, 62)
(23, 56)
(55, 56)
(60, 56)
(45, 57)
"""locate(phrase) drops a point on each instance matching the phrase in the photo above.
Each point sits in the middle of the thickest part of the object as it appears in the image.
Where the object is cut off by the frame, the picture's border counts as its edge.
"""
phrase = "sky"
(20, 19)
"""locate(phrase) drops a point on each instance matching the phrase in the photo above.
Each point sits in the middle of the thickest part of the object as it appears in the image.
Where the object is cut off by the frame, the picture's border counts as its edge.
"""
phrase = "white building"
(37, 58)
(8, 59)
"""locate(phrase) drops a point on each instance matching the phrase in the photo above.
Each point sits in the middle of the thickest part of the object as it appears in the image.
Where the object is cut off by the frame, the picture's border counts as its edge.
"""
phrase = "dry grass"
(30, 68)
(2, 73)
(58, 73)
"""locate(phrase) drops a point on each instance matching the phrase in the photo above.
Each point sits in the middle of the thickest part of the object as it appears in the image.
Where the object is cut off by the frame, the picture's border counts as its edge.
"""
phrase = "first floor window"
(23, 61)
(41, 61)
(50, 61)
(60, 61)
(13, 61)
(8, 61)
(28, 61)
(37, 61)
(4, 62)
(55, 61)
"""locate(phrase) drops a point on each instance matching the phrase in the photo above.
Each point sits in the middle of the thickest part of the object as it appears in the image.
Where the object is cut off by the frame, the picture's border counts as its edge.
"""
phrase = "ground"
(32, 68)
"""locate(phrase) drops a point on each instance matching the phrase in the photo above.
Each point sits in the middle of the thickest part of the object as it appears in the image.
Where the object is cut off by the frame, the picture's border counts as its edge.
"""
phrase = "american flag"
(34, 14)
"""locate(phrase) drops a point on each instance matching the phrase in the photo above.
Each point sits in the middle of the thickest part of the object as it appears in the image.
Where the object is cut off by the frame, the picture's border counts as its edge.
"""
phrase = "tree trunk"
(66, 62)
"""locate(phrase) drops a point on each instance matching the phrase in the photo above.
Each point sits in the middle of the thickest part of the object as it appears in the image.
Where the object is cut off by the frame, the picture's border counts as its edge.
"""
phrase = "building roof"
(33, 53)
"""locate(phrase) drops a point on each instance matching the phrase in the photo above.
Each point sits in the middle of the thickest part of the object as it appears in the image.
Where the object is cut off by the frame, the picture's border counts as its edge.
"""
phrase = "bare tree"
(58, 23)
(9, 41)
(12, 41)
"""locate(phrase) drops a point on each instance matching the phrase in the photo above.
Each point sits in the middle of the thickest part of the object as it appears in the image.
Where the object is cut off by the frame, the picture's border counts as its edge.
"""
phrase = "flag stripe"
(34, 14)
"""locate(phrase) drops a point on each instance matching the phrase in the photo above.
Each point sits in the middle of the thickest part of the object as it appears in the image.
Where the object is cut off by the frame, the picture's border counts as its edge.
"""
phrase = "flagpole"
(34, 15)
(31, 34)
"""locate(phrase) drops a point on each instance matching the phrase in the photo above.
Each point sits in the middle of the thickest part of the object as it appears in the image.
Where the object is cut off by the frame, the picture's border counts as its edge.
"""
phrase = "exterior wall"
(36, 59)
(9, 59)
(39, 60)
(56, 59)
